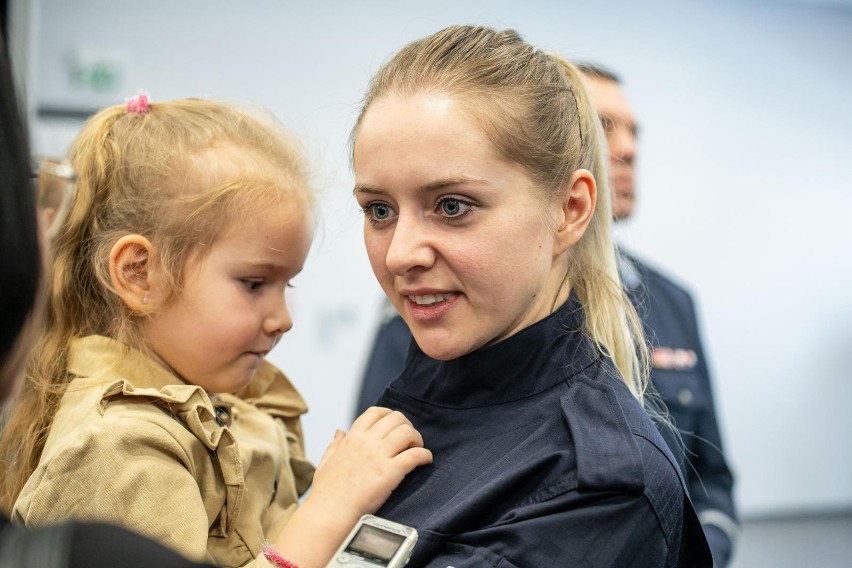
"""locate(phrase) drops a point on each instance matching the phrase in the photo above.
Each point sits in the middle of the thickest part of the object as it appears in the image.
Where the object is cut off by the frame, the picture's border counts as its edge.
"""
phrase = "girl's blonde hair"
(535, 110)
(180, 175)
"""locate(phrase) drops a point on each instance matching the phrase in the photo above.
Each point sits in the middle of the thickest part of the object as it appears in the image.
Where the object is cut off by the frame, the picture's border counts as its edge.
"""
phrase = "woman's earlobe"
(131, 262)
(578, 209)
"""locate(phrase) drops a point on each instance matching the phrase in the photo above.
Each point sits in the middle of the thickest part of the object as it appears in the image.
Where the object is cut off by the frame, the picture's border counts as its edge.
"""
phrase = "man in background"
(679, 371)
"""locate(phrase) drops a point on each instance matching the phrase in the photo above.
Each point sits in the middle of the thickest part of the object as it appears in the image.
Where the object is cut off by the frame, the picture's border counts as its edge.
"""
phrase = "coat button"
(684, 396)
(222, 416)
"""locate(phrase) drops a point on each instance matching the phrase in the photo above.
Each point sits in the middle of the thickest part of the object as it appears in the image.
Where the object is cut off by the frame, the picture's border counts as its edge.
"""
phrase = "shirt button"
(684, 396)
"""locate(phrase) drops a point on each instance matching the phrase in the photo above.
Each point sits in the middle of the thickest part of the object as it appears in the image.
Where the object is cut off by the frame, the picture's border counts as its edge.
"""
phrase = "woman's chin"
(444, 348)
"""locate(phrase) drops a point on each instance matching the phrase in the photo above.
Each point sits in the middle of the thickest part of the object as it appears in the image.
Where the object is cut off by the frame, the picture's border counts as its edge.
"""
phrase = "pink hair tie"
(138, 104)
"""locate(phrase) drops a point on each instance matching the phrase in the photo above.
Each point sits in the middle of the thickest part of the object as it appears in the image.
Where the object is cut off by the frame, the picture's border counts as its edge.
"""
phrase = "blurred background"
(744, 183)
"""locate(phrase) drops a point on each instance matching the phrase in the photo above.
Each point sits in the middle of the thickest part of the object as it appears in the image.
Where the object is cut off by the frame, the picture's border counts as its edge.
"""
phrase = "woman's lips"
(430, 307)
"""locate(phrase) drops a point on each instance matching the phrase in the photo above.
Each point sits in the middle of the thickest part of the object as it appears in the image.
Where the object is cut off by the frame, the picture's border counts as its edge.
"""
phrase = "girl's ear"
(131, 262)
(578, 208)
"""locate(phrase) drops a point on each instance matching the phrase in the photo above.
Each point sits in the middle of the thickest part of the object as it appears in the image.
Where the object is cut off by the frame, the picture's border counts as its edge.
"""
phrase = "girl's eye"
(454, 207)
(252, 284)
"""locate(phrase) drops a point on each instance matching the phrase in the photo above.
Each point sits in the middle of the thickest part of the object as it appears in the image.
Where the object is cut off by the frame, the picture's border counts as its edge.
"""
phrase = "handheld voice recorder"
(375, 543)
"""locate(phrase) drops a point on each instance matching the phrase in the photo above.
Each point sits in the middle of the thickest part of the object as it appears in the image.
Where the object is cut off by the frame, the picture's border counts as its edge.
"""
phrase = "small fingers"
(413, 457)
(389, 423)
(369, 417)
(385, 434)
(401, 438)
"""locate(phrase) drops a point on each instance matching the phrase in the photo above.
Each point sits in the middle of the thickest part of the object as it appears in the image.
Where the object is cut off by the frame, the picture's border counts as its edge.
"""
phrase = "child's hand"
(359, 470)
(355, 476)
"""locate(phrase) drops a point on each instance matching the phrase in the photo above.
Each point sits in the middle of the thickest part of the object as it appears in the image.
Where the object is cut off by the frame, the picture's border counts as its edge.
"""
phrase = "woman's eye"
(378, 212)
(252, 284)
(381, 211)
(454, 207)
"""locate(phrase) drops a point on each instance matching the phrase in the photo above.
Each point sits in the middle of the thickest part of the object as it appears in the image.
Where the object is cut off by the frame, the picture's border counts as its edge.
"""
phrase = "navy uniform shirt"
(679, 373)
(542, 457)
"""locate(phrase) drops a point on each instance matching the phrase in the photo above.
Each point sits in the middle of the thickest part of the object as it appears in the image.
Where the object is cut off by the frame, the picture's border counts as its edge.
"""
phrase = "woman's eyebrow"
(440, 184)
(364, 188)
(432, 186)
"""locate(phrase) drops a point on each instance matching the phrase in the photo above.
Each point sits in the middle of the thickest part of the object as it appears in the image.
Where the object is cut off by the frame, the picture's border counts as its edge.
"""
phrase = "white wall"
(745, 180)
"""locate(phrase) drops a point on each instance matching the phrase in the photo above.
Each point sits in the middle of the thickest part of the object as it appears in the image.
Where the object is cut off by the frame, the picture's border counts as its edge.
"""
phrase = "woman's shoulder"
(618, 446)
(614, 437)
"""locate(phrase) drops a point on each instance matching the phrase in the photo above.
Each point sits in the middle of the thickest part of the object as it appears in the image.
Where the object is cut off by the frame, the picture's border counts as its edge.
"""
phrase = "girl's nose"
(279, 321)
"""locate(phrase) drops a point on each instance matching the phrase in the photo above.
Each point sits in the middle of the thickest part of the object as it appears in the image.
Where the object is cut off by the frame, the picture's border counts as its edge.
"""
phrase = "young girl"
(480, 167)
(70, 545)
(148, 402)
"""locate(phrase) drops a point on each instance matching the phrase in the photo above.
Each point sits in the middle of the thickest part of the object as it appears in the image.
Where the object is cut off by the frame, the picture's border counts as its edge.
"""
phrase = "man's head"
(620, 128)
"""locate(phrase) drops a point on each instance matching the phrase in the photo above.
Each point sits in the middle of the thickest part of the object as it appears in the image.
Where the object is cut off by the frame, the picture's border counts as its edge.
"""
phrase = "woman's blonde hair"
(535, 110)
(181, 175)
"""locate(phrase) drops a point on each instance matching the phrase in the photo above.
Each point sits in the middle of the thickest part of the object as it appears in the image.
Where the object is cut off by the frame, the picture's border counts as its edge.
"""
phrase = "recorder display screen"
(374, 543)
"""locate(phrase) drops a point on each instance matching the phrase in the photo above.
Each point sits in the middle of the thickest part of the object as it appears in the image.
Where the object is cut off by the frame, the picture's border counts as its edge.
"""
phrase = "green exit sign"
(95, 71)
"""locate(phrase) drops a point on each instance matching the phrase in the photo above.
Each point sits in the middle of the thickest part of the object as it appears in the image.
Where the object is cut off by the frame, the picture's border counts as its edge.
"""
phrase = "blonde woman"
(480, 167)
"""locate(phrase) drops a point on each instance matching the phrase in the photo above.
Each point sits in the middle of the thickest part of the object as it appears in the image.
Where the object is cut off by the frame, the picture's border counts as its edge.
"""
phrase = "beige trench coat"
(133, 445)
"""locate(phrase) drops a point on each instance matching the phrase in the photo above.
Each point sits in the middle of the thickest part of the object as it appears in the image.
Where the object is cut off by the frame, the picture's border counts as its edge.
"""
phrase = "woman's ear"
(131, 262)
(578, 208)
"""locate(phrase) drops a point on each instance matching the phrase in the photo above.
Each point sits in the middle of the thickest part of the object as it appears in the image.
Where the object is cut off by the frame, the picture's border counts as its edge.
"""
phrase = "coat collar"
(102, 359)
(96, 356)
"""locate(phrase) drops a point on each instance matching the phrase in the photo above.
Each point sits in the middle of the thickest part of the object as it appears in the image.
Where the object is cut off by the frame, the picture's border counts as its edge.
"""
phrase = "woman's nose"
(410, 246)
